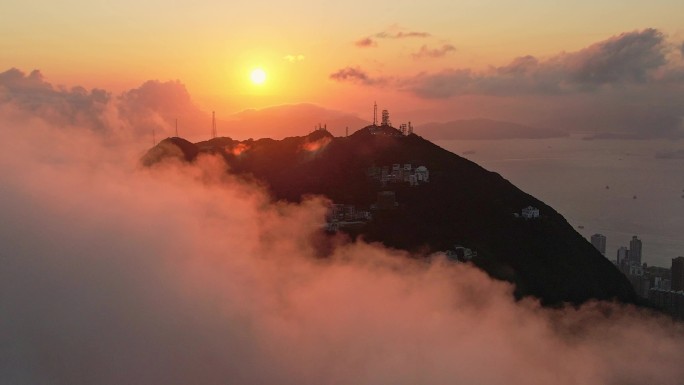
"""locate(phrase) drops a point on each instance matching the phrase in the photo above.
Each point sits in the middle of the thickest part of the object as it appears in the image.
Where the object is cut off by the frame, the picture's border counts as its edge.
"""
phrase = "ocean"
(619, 188)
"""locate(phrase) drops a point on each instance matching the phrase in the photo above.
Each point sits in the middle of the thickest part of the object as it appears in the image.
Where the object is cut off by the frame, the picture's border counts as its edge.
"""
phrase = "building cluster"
(460, 254)
(398, 173)
(528, 212)
(672, 300)
(663, 287)
(345, 215)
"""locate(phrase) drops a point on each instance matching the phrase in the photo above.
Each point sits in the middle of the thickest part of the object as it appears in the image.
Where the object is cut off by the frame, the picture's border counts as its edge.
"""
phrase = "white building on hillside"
(422, 174)
(530, 212)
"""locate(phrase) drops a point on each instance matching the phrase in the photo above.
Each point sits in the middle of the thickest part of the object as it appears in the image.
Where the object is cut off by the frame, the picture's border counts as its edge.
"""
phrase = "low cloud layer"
(114, 274)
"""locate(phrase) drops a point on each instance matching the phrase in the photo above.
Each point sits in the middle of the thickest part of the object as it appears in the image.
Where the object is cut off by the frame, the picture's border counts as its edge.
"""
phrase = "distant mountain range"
(485, 129)
(462, 204)
(288, 120)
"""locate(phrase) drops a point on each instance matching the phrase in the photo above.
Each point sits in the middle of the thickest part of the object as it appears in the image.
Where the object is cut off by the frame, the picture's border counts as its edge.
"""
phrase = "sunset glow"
(342, 192)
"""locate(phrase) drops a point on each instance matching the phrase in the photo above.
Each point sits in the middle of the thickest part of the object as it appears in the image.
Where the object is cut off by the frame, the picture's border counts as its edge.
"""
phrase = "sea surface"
(618, 188)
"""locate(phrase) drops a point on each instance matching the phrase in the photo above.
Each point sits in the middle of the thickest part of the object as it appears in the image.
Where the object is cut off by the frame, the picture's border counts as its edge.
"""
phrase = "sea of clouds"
(111, 273)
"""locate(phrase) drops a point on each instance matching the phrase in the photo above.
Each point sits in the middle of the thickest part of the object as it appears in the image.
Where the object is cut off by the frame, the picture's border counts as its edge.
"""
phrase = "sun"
(258, 76)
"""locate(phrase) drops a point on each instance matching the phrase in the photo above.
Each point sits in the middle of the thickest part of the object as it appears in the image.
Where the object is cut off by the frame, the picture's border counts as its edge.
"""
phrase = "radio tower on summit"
(375, 113)
(213, 124)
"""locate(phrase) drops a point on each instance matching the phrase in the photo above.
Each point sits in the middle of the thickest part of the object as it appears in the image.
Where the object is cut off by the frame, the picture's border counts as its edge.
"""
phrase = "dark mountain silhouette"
(486, 129)
(463, 204)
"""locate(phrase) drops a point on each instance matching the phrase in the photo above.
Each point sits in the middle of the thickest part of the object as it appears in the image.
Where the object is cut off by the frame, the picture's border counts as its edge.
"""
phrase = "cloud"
(356, 75)
(426, 52)
(393, 33)
(401, 35)
(293, 58)
(628, 59)
(628, 85)
(31, 94)
(113, 274)
(366, 42)
(154, 105)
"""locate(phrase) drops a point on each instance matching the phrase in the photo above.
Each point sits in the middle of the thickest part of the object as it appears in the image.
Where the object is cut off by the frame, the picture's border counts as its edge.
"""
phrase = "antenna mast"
(213, 124)
(375, 113)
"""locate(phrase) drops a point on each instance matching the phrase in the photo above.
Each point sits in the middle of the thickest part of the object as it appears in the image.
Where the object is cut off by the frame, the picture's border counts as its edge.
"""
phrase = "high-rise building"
(677, 274)
(623, 256)
(635, 250)
(599, 242)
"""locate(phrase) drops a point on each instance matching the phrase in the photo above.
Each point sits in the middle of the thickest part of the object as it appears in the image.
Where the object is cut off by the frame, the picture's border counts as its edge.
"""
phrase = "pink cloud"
(181, 274)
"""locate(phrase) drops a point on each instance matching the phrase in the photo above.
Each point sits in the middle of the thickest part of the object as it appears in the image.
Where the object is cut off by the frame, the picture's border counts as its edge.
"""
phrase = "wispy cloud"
(293, 58)
(394, 33)
(366, 42)
(356, 75)
(426, 52)
(401, 35)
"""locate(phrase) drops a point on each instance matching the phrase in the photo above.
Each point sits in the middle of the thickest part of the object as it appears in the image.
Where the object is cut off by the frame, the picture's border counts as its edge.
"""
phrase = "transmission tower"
(214, 134)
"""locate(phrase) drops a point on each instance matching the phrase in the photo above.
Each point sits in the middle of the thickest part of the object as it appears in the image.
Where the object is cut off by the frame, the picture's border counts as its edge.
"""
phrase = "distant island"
(474, 129)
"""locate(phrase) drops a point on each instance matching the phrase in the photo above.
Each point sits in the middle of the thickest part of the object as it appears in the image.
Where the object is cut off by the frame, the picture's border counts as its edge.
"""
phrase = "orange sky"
(211, 47)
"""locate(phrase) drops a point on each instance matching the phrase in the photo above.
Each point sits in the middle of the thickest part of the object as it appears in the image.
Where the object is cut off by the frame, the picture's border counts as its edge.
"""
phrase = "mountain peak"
(424, 199)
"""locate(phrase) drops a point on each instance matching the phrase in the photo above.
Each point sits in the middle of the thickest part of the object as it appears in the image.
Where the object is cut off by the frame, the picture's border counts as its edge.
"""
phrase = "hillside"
(462, 204)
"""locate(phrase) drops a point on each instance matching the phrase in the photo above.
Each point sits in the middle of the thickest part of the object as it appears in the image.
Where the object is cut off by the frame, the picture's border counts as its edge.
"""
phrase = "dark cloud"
(630, 58)
(426, 52)
(365, 42)
(356, 75)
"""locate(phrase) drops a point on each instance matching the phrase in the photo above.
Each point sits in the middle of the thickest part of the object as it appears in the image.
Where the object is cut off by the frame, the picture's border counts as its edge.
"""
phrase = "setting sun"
(258, 76)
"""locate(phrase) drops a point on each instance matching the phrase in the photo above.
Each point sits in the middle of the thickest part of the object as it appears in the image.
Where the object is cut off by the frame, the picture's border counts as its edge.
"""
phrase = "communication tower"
(375, 113)
(385, 118)
(402, 127)
(410, 128)
(214, 134)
